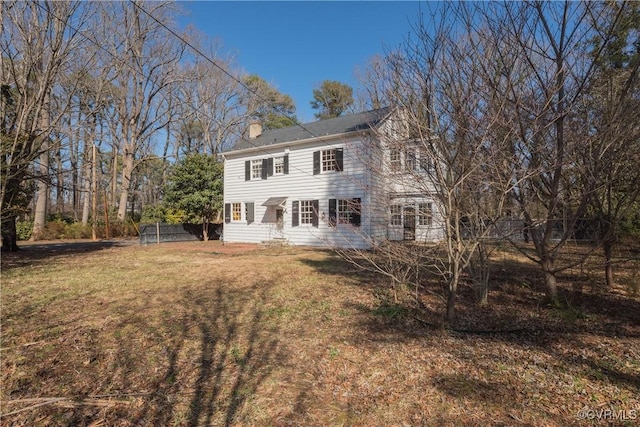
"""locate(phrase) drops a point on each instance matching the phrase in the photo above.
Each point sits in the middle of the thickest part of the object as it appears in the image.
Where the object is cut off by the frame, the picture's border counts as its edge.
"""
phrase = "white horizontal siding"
(299, 184)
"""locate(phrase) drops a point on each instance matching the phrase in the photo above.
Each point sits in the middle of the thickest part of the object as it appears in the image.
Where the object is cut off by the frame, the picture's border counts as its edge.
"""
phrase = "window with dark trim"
(344, 211)
(236, 211)
(304, 212)
(278, 165)
(256, 169)
(264, 168)
(328, 160)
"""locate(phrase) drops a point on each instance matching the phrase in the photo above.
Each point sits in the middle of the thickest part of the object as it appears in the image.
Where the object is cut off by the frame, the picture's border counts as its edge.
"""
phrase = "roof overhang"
(274, 148)
(275, 201)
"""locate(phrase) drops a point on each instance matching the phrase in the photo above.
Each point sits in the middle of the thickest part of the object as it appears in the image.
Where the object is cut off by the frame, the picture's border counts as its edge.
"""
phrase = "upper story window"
(426, 165)
(265, 168)
(410, 161)
(328, 160)
(278, 165)
(395, 161)
(425, 213)
(256, 169)
(409, 158)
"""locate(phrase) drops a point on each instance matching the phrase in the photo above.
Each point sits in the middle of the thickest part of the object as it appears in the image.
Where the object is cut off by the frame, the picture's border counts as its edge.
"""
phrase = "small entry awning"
(275, 201)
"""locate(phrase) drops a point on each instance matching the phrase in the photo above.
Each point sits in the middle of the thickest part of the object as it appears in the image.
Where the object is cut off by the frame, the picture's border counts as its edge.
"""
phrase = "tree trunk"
(60, 208)
(40, 214)
(451, 297)
(451, 301)
(607, 248)
(9, 234)
(127, 172)
(205, 230)
(550, 281)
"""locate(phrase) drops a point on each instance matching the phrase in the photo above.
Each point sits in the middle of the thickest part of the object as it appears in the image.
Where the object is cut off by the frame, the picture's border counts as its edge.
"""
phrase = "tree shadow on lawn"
(517, 314)
(197, 359)
(47, 251)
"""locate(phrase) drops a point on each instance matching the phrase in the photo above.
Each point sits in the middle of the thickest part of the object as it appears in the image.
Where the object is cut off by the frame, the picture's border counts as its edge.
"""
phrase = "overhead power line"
(211, 61)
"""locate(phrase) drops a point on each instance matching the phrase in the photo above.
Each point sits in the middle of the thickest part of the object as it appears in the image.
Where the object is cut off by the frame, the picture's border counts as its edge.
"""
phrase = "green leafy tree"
(331, 99)
(265, 103)
(195, 187)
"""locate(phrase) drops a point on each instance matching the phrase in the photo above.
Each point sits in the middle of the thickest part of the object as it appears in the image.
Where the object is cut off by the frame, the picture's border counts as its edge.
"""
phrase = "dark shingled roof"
(336, 126)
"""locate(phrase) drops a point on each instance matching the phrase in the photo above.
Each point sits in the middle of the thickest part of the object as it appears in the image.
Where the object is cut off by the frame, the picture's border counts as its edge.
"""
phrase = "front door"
(279, 218)
(409, 223)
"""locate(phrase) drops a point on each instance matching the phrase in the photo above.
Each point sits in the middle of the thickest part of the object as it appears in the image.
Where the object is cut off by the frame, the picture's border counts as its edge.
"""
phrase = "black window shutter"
(332, 212)
(356, 207)
(295, 213)
(247, 170)
(270, 166)
(227, 212)
(264, 168)
(250, 208)
(339, 159)
(316, 162)
(286, 164)
(314, 215)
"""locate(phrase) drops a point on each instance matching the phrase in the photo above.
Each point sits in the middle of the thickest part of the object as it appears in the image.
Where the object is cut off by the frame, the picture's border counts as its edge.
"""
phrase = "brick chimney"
(255, 129)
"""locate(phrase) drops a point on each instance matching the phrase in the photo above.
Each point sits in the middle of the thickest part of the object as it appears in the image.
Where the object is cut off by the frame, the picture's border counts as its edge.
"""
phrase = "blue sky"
(295, 45)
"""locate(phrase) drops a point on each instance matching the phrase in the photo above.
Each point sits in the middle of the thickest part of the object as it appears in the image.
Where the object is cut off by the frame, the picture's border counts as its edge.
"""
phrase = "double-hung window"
(330, 160)
(410, 161)
(425, 214)
(278, 164)
(394, 159)
(306, 212)
(236, 211)
(396, 215)
(256, 169)
(344, 211)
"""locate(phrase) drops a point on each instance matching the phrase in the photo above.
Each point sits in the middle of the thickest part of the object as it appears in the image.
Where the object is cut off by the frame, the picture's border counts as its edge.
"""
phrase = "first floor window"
(396, 215)
(306, 212)
(236, 211)
(344, 211)
(425, 214)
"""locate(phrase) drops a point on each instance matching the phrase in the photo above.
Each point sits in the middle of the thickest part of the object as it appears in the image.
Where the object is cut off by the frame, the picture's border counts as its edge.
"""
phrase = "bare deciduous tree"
(37, 42)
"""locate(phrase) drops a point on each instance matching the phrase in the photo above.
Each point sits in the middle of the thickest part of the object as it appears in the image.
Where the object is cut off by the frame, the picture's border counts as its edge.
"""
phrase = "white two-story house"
(331, 183)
